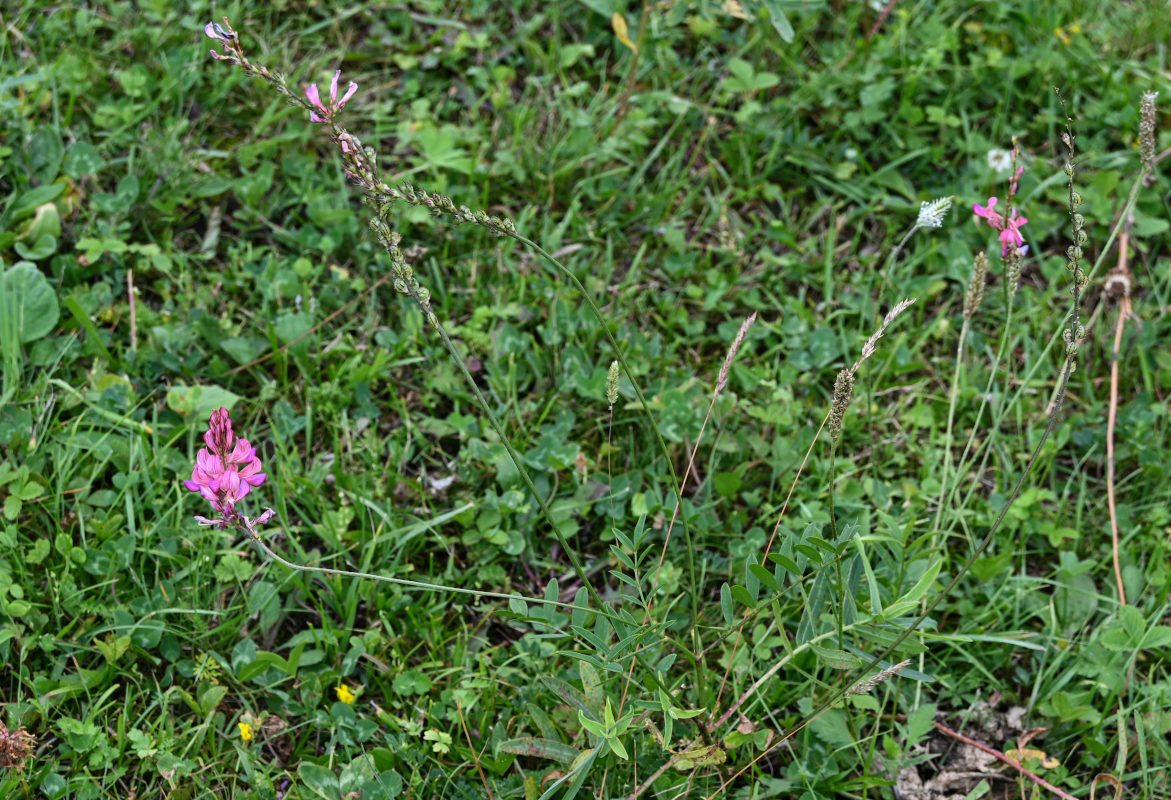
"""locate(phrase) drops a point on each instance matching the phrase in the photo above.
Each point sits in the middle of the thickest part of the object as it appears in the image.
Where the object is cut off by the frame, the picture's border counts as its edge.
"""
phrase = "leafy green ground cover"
(175, 237)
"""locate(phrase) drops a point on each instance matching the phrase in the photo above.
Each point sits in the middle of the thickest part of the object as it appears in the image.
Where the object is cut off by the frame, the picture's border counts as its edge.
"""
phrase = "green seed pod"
(1075, 199)
(1079, 222)
(1074, 253)
(1082, 238)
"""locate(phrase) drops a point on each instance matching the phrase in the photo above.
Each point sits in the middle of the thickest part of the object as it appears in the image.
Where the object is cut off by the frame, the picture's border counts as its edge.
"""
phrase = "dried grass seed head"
(1146, 129)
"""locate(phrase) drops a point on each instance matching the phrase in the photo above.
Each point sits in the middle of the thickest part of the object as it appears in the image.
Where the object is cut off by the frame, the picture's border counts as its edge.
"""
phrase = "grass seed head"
(975, 294)
(843, 393)
(1146, 130)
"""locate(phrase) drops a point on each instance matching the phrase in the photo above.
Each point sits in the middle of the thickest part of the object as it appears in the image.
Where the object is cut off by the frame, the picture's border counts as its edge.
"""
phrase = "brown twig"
(1037, 779)
(471, 748)
(881, 19)
(1117, 281)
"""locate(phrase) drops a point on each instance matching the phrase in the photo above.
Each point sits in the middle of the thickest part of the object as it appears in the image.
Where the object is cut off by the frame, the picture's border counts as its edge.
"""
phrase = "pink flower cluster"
(1009, 227)
(335, 105)
(225, 471)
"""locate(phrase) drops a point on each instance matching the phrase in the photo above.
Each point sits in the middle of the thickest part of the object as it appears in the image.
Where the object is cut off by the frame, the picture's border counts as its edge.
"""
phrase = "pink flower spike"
(335, 105)
(1011, 233)
(214, 31)
(353, 87)
(225, 471)
(993, 218)
(315, 98)
(333, 88)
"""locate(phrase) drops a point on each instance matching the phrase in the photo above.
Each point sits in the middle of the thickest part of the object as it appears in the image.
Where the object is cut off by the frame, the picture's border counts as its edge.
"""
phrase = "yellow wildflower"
(245, 731)
(1063, 34)
(344, 694)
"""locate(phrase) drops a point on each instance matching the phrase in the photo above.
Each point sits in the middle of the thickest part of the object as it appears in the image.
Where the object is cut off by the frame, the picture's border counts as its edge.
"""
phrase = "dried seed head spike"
(735, 348)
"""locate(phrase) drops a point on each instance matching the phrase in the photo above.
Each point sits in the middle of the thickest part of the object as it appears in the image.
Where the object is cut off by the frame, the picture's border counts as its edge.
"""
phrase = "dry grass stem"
(1117, 281)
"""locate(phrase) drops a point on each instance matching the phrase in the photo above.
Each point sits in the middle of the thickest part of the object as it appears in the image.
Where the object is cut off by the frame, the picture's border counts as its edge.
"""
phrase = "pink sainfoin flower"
(1009, 228)
(225, 472)
(214, 31)
(335, 105)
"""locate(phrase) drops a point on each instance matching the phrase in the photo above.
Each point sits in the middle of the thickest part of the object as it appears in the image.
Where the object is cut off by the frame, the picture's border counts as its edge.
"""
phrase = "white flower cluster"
(931, 214)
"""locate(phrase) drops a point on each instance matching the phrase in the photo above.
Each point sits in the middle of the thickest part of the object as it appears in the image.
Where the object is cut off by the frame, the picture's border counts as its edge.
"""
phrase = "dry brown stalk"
(1118, 280)
(1037, 779)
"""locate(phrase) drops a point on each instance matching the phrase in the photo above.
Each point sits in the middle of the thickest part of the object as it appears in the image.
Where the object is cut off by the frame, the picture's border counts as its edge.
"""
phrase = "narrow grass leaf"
(916, 593)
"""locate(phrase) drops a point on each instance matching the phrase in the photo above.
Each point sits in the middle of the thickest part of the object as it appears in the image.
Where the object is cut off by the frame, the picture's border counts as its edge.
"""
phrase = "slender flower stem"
(254, 536)
(597, 312)
(512, 454)
(1005, 333)
(953, 396)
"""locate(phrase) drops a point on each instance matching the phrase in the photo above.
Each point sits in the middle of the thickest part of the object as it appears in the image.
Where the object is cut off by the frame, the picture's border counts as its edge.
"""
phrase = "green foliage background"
(724, 171)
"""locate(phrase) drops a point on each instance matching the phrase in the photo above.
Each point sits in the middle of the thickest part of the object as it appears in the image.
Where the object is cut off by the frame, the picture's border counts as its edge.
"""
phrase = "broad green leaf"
(742, 596)
(919, 724)
(765, 577)
(28, 304)
(786, 562)
(567, 693)
(319, 780)
(199, 401)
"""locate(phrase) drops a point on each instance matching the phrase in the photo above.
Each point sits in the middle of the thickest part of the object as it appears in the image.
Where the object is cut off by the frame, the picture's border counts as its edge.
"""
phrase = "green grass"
(724, 171)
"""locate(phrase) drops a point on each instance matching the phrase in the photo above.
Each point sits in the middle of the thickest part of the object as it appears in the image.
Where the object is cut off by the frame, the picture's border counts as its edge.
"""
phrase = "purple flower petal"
(315, 98)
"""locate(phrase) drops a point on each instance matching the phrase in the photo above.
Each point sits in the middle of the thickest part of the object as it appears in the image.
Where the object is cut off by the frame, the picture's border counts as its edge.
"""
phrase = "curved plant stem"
(1124, 311)
(1002, 347)
(512, 454)
(597, 312)
(941, 502)
(431, 587)
(999, 756)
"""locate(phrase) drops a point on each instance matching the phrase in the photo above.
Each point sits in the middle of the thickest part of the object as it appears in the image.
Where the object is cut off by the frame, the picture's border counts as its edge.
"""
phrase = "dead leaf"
(618, 23)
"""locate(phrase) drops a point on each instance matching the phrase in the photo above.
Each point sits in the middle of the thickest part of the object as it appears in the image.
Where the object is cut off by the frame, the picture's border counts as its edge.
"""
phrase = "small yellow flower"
(1063, 34)
(245, 731)
(344, 694)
